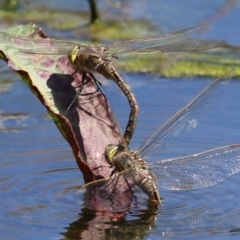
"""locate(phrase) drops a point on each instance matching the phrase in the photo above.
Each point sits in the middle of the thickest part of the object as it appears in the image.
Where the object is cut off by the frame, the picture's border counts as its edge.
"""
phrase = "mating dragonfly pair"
(132, 165)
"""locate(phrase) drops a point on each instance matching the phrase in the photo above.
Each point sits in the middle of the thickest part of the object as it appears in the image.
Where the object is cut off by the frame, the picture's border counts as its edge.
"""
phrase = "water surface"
(40, 179)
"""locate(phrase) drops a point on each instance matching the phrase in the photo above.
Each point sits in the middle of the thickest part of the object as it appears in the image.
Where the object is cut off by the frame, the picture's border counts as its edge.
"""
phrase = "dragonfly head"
(111, 152)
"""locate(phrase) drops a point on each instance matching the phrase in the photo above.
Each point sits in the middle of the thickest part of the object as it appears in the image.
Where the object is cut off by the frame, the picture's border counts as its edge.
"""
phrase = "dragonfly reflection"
(195, 171)
(92, 58)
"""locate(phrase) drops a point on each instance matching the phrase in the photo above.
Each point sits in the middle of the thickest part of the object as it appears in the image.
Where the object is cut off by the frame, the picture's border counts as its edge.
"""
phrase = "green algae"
(109, 30)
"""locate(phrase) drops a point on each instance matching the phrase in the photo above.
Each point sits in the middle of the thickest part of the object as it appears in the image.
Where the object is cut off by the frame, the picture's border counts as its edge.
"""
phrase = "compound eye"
(110, 153)
(73, 56)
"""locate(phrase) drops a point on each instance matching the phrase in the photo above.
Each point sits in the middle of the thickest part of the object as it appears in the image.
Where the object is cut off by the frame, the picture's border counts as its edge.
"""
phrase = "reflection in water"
(15, 122)
(142, 222)
(92, 225)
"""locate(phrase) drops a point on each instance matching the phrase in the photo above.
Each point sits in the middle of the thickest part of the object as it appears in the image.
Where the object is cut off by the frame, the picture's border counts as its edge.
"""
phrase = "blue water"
(39, 178)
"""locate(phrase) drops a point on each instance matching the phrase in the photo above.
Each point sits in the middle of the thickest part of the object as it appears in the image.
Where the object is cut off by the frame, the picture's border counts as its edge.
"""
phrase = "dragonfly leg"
(116, 185)
(129, 187)
(115, 188)
(99, 86)
(72, 75)
(79, 90)
(98, 83)
(109, 187)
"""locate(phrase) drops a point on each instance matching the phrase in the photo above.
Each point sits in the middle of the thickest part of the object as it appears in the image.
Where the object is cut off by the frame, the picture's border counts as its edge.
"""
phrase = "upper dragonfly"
(92, 58)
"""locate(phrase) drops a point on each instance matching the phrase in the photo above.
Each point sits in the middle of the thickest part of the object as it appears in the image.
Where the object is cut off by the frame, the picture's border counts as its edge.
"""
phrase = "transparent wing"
(31, 45)
(139, 45)
(198, 170)
(149, 40)
(185, 120)
(188, 45)
(171, 42)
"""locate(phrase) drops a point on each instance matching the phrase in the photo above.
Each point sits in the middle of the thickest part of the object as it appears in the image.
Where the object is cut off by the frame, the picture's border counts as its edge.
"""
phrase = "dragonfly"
(93, 58)
(195, 171)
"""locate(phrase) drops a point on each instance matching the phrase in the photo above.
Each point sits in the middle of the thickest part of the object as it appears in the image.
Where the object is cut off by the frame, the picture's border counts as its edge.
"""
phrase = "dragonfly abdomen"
(148, 186)
(108, 70)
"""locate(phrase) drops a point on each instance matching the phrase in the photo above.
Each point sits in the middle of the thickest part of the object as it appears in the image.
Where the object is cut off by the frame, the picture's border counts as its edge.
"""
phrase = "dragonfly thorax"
(123, 161)
(84, 60)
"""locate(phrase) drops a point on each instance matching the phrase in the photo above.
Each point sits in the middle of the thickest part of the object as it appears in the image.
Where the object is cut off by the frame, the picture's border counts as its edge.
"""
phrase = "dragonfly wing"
(148, 41)
(187, 45)
(198, 170)
(37, 46)
(184, 121)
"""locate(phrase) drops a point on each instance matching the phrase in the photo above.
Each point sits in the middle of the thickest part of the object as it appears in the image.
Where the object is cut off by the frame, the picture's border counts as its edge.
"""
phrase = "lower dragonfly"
(90, 59)
(195, 171)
